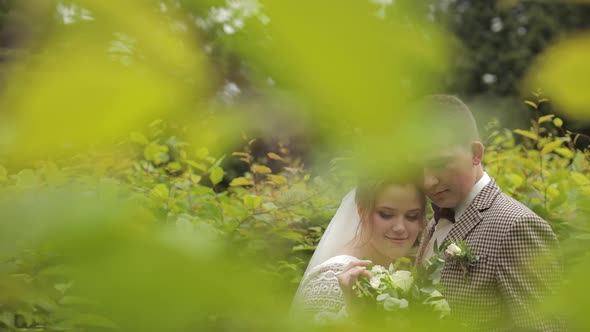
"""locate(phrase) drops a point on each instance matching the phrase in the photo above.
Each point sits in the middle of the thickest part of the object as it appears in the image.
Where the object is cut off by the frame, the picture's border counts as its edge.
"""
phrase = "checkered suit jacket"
(504, 285)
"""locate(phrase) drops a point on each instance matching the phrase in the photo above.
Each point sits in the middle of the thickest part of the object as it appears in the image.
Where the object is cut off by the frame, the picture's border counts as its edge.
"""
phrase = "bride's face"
(396, 220)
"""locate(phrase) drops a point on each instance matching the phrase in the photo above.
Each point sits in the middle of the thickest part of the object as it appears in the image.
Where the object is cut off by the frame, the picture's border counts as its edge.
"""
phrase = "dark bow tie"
(446, 213)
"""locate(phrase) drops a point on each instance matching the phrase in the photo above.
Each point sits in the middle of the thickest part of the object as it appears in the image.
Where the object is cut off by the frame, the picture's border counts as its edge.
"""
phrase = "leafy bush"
(276, 216)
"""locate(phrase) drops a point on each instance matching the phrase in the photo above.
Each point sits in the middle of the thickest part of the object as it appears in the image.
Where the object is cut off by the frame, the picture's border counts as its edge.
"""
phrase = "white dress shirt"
(444, 226)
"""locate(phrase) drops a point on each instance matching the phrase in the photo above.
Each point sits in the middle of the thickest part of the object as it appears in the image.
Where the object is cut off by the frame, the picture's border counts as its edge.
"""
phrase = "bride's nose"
(398, 226)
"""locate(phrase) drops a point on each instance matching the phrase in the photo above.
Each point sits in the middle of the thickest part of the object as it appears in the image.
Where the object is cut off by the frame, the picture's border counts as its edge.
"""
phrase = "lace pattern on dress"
(319, 296)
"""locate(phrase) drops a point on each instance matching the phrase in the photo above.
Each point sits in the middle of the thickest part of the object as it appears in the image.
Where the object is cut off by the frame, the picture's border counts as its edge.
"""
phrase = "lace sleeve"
(320, 296)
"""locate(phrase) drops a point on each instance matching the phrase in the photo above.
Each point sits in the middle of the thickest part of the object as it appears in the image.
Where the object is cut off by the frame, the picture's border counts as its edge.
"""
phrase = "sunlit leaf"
(160, 191)
(531, 104)
(252, 201)
(261, 169)
(156, 153)
(241, 181)
(274, 156)
(545, 118)
(526, 133)
(567, 153)
(216, 174)
(551, 146)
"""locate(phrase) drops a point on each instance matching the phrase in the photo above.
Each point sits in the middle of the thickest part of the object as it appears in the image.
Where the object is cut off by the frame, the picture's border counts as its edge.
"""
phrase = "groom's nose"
(430, 180)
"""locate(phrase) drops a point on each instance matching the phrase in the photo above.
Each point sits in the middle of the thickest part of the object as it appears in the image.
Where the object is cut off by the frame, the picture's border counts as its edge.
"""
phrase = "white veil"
(340, 231)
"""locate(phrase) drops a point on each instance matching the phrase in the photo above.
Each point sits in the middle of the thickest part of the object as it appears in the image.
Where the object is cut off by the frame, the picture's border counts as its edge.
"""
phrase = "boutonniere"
(462, 254)
(459, 252)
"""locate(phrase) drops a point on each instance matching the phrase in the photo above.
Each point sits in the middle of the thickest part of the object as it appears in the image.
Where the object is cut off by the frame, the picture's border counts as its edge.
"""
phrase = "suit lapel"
(472, 216)
(425, 240)
(468, 220)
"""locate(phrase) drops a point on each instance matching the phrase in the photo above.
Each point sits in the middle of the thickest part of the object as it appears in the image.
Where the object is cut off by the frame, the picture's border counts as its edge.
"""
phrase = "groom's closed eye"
(438, 163)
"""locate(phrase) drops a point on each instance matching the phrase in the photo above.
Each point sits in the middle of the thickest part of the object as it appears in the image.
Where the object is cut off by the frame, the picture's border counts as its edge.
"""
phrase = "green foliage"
(544, 171)
(278, 212)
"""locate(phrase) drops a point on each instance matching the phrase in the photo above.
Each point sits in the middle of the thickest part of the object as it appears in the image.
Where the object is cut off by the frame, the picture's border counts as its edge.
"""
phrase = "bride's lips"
(397, 240)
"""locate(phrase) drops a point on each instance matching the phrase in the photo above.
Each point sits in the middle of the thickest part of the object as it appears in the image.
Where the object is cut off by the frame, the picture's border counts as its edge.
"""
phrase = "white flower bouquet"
(395, 291)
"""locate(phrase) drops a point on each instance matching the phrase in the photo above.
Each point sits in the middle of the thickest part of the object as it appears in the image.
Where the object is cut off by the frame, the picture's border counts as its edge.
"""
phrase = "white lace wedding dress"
(319, 296)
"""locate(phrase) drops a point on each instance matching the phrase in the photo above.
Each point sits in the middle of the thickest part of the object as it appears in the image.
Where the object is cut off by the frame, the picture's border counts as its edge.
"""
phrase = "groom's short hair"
(453, 115)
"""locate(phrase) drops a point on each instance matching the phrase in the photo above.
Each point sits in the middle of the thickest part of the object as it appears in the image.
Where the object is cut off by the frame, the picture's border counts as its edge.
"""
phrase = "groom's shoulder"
(509, 209)
(507, 212)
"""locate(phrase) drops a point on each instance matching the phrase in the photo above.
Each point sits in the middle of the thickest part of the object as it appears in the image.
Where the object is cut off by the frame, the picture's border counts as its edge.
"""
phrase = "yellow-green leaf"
(174, 166)
(156, 153)
(216, 175)
(277, 179)
(558, 122)
(241, 181)
(530, 103)
(138, 137)
(546, 118)
(274, 156)
(196, 165)
(565, 152)
(195, 178)
(580, 179)
(551, 146)
(160, 191)
(252, 201)
(261, 169)
(526, 133)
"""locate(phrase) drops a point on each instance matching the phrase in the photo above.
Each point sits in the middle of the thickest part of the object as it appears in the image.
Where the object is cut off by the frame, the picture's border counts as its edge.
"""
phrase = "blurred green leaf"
(216, 174)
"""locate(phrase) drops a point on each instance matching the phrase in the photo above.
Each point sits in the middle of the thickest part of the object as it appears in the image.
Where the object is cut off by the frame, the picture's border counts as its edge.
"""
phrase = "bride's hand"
(350, 275)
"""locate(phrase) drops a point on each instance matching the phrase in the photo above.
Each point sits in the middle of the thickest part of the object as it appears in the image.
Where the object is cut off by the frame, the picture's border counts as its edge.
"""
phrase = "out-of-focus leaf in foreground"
(563, 73)
(95, 80)
(354, 70)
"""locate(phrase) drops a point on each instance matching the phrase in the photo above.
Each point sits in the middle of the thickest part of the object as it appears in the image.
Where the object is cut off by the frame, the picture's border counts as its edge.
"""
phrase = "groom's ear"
(477, 151)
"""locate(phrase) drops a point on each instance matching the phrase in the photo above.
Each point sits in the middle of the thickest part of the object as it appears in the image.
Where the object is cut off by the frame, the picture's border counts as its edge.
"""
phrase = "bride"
(376, 223)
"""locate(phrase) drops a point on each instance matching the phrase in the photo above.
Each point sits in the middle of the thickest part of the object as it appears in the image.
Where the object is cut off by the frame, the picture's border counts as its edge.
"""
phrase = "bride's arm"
(320, 295)
(326, 293)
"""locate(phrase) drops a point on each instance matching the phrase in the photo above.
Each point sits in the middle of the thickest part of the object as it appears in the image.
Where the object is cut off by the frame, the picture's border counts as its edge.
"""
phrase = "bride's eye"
(385, 215)
(413, 217)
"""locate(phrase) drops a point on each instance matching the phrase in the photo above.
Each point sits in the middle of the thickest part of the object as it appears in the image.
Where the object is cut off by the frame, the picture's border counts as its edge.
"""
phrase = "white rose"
(443, 307)
(378, 269)
(453, 250)
(375, 282)
(402, 279)
(392, 303)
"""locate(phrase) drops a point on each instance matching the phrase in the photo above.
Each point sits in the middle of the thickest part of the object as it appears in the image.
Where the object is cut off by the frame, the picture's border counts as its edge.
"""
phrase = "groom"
(500, 289)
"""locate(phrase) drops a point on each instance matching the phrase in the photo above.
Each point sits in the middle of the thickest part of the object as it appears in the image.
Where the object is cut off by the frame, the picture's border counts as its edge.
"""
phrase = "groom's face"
(449, 176)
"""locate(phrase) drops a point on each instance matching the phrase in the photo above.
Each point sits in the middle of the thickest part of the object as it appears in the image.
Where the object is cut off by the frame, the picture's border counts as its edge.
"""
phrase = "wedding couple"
(382, 218)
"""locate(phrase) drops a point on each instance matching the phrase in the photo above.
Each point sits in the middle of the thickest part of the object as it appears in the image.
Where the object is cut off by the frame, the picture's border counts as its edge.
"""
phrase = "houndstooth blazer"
(500, 290)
